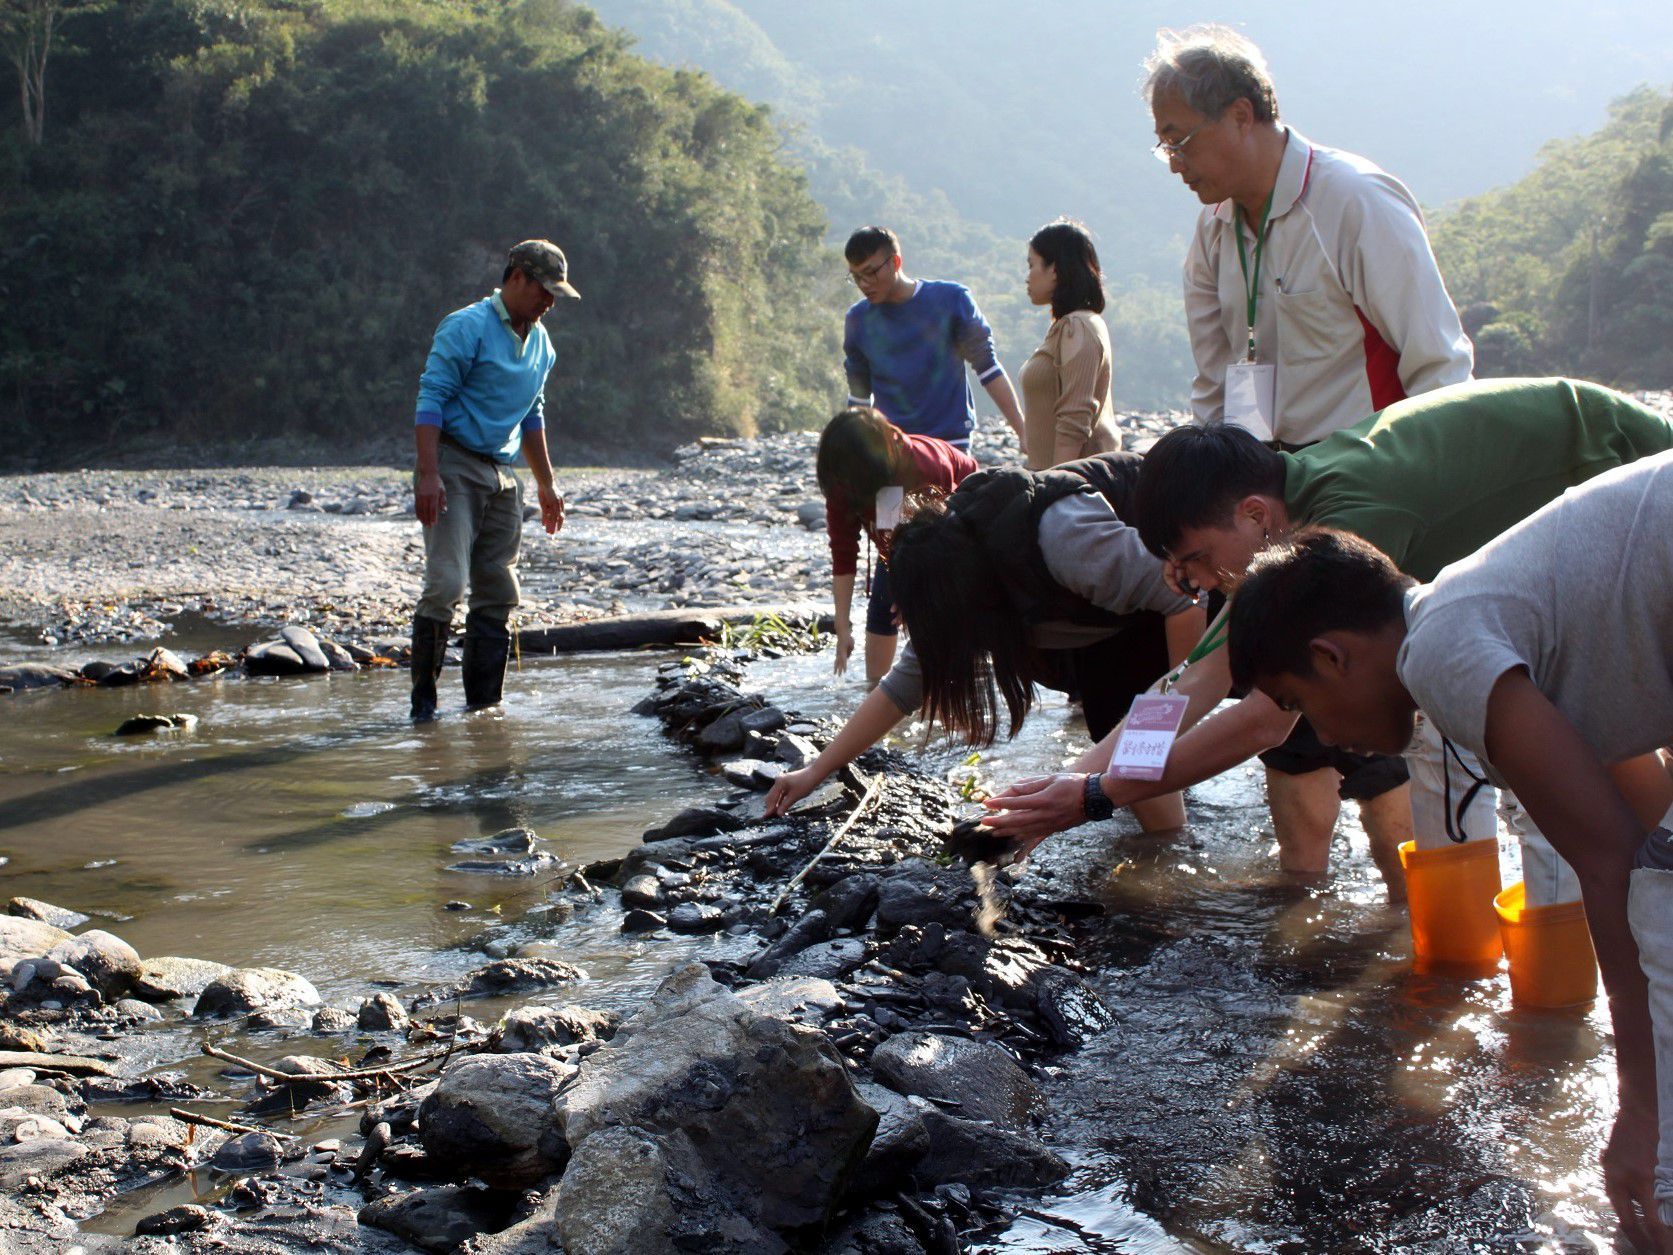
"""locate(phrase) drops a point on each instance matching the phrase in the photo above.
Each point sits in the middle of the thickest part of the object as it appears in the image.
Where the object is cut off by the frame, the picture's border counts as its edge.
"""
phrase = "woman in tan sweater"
(1066, 384)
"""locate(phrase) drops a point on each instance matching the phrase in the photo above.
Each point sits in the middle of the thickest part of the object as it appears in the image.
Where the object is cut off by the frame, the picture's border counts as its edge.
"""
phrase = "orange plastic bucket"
(1552, 963)
(1450, 893)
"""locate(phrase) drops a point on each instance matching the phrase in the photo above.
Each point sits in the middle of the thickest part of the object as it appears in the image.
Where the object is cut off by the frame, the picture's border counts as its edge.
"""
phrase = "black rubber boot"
(487, 650)
(429, 647)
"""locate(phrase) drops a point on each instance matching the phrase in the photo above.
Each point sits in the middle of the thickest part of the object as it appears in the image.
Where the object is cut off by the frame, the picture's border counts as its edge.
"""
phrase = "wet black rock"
(696, 917)
(900, 1141)
(850, 901)
(492, 1117)
(642, 891)
(831, 960)
(505, 976)
(506, 841)
(439, 1219)
(724, 735)
(985, 1081)
(187, 1218)
(695, 821)
(274, 658)
(306, 647)
(251, 1152)
(921, 892)
(142, 725)
(640, 920)
(811, 928)
(976, 1153)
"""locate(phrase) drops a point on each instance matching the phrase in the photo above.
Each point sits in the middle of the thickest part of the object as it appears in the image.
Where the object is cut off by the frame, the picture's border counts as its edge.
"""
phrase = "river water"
(1279, 1079)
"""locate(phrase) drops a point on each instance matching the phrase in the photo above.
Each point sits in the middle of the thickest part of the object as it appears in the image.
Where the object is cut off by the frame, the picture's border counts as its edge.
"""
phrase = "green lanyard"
(1212, 640)
(1251, 287)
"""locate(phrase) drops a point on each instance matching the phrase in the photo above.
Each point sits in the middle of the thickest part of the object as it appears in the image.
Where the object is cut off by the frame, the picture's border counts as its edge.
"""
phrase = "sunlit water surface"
(1280, 1080)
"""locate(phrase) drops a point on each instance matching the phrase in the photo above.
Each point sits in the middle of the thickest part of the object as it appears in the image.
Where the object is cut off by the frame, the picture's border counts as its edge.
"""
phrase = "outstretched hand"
(1031, 810)
(790, 788)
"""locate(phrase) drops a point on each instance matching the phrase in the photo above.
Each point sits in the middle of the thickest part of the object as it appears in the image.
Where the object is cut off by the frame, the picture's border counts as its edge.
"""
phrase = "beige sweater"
(1066, 393)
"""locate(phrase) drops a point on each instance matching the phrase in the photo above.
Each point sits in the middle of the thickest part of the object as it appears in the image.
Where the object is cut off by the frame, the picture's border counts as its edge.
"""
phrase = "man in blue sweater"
(905, 347)
(481, 402)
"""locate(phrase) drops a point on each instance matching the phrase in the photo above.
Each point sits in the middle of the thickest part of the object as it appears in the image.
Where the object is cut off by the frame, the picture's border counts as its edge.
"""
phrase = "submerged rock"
(505, 976)
(45, 913)
(140, 725)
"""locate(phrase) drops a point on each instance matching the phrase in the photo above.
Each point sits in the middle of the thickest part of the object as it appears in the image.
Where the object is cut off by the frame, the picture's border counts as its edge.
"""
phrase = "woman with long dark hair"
(1017, 580)
(1066, 383)
(867, 469)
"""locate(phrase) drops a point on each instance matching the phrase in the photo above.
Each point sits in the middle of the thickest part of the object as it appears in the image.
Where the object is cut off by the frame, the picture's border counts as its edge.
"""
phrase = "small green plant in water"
(967, 778)
(772, 631)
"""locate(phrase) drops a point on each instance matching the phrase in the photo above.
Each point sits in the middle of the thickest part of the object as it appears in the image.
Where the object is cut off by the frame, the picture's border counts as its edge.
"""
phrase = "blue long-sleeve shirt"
(483, 386)
(908, 359)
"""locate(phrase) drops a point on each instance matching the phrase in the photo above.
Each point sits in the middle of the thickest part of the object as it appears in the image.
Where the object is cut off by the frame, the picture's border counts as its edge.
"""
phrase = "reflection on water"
(305, 823)
(1279, 1078)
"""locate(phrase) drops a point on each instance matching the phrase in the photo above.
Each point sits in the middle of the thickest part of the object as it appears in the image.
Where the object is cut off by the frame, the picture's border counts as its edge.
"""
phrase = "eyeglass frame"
(867, 273)
(1166, 150)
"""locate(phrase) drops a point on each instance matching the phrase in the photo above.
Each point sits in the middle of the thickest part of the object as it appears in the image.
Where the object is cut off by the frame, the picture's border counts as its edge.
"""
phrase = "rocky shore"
(853, 1066)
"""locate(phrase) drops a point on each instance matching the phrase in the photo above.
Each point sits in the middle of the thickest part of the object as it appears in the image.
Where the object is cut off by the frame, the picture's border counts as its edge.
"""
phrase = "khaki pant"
(476, 539)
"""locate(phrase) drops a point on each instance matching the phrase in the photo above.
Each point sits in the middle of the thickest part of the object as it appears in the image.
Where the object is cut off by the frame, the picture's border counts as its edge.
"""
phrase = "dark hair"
(971, 643)
(854, 458)
(1080, 283)
(1319, 580)
(1194, 477)
(867, 240)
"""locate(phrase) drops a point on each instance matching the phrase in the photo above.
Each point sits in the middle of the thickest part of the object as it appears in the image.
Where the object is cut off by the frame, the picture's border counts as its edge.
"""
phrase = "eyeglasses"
(1165, 150)
(867, 273)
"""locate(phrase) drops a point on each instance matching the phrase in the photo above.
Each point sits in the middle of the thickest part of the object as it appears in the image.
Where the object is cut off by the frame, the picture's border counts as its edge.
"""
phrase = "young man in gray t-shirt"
(1549, 654)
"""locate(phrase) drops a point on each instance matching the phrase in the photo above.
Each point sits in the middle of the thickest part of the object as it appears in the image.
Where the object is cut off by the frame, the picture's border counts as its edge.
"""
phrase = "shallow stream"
(1279, 1080)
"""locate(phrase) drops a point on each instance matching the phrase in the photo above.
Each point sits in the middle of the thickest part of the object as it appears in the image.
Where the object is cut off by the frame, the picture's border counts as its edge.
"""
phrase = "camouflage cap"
(545, 263)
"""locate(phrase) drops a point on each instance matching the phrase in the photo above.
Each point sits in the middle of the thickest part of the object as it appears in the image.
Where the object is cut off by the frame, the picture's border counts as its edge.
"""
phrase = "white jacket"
(1352, 309)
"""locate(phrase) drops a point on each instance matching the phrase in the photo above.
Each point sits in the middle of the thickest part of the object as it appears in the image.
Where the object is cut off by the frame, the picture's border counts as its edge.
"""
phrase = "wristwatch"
(1093, 803)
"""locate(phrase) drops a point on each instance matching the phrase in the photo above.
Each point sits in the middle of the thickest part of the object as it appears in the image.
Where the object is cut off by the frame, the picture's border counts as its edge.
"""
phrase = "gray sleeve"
(904, 684)
(1451, 658)
(1090, 551)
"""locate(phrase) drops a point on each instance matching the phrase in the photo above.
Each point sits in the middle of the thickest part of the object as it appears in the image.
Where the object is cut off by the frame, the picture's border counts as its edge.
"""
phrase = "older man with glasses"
(1311, 291)
(1313, 300)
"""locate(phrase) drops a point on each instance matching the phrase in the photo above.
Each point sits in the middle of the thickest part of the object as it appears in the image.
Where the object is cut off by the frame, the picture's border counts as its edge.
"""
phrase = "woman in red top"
(866, 468)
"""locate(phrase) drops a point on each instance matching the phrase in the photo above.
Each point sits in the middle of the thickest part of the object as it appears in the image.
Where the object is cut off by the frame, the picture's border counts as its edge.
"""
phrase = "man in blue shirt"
(481, 402)
(905, 347)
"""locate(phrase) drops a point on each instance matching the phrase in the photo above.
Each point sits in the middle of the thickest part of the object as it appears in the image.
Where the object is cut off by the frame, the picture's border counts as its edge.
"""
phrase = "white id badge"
(888, 507)
(1141, 752)
(1251, 397)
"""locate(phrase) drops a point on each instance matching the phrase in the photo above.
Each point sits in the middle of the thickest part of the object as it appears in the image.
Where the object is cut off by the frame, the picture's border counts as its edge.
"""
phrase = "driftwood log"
(686, 626)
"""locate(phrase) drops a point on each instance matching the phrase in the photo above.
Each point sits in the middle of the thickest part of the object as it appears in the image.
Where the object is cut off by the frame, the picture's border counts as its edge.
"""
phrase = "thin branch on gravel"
(210, 1122)
(871, 793)
(316, 1078)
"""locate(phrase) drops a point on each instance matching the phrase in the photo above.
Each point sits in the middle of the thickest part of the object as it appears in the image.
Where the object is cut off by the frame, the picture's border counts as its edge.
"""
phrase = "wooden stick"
(192, 1117)
(872, 792)
(320, 1078)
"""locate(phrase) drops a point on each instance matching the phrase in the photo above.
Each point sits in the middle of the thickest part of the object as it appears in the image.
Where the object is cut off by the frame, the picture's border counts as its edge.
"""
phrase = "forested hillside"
(243, 218)
(1570, 270)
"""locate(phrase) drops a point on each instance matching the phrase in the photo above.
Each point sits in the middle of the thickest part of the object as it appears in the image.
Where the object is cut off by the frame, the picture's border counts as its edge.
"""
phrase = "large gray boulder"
(766, 1107)
(27, 938)
(492, 1117)
(627, 1192)
(169, 977)
(985, 1082)
(110, 964)
(248, 989)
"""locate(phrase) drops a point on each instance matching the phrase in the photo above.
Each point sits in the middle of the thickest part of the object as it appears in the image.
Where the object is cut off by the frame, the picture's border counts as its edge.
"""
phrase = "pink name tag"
(1141, 752)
